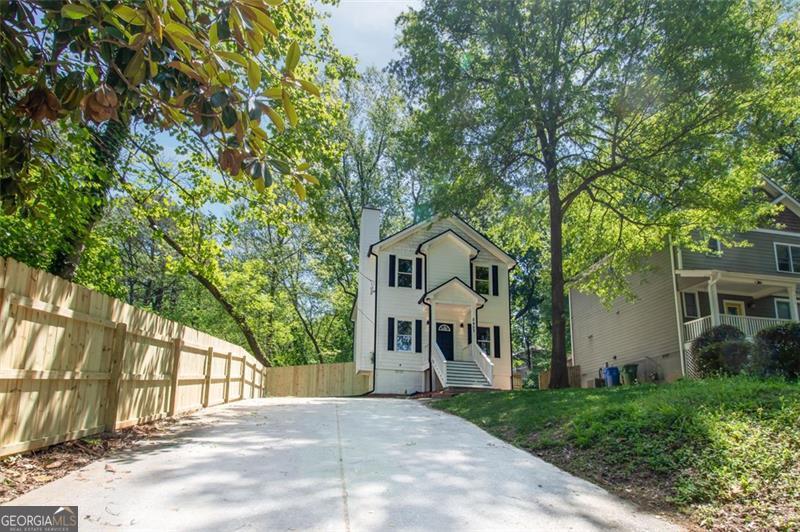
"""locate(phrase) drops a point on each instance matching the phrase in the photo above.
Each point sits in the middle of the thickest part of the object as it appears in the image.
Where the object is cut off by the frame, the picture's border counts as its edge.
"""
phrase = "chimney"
(364, 344)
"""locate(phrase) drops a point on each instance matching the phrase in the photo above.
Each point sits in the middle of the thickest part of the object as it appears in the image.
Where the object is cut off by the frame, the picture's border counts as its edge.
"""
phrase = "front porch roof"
(454, 291)
(736, 283)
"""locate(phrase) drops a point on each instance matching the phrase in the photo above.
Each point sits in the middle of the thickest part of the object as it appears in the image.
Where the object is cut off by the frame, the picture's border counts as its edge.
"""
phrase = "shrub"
(779, 349)
(707, 350)
(729, 357)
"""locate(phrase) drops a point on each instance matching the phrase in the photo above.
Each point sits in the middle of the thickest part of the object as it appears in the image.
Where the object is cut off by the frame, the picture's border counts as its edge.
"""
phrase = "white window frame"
(397, 272)
(488, 278)
(696, 304)
(717, 247)
(794, 269)
(734, 302)
(782, 300)
(413, 335)
(490, 327)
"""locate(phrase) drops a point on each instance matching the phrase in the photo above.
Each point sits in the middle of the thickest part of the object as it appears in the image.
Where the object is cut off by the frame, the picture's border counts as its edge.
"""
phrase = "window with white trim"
(482, 283)
(484, 339)
(787, 258)
(404, 336)
(714, 245)
(405, 273)
(783, 309)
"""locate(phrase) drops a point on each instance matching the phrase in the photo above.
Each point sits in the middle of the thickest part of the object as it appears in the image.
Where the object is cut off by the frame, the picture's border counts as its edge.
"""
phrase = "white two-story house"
(432, 309)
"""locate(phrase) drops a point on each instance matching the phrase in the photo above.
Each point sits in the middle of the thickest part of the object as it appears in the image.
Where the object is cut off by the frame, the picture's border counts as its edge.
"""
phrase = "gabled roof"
(454, 283)
(449, 234)
(461, 224)
(782, 196)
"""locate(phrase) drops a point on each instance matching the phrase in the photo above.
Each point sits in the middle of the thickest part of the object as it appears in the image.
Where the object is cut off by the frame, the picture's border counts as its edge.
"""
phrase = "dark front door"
(444, 337)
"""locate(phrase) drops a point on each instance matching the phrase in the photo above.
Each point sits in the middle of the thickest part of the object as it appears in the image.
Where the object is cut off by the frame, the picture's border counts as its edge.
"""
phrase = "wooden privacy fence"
(574, 374)
(321, 380)
(75, 362)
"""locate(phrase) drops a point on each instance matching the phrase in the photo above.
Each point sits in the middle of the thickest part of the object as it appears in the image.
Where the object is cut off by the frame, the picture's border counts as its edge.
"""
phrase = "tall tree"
(615, 113)
(223, 67)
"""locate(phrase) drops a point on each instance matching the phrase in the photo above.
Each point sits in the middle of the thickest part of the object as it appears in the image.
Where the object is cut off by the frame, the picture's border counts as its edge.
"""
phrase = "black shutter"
(418, 335)
(390, 335)
(419, 273)
(496, 341)
(495, 290)
(392, 267)
(469, 333)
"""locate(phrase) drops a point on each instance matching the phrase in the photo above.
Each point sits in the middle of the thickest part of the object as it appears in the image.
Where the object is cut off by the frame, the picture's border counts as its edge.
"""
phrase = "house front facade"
(687, 293)
(432, 309)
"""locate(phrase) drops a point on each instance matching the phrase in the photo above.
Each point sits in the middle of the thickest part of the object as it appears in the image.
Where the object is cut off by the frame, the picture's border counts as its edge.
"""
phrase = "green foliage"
(779, 348)
(726, 450)
(728, 357)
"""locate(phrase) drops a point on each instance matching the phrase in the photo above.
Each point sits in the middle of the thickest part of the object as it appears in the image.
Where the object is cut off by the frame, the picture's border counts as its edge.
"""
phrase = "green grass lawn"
(724, 452)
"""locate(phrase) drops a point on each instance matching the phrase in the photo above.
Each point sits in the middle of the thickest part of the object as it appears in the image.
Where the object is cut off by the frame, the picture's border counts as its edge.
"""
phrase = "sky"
(365, 29)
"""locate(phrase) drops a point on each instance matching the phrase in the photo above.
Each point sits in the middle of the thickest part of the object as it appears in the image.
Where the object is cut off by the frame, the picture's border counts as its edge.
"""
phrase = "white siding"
(643, 331)
(446, 260)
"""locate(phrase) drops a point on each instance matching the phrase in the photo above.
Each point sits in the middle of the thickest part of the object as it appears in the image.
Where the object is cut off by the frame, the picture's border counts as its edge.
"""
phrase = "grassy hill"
(723, 452)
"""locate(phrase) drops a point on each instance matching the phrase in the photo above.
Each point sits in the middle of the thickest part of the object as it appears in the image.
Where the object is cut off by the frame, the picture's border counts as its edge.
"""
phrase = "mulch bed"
(24, 472)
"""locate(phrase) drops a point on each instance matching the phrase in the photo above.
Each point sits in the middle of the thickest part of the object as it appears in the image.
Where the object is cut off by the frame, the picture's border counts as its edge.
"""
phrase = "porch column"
(472, 323)
(713, 300)
(793, 302)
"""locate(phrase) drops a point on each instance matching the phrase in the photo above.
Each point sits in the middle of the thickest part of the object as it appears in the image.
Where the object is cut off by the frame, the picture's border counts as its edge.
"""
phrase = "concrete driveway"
(333, 464)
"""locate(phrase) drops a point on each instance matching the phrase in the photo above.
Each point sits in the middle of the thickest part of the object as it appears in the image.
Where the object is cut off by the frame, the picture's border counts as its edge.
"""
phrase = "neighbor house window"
(715, 245)
(690, 307)
(482, 280)
(404, 336)
(788, 258)
(485, 339)
(405, 272)
(783, 309)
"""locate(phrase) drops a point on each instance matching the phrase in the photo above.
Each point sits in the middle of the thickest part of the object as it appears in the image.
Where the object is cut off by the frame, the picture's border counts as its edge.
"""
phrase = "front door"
(733, 308)
(444, 337)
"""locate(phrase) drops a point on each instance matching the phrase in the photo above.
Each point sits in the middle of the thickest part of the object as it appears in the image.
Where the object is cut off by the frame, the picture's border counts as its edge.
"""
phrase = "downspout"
(510, 334)
(678, 311)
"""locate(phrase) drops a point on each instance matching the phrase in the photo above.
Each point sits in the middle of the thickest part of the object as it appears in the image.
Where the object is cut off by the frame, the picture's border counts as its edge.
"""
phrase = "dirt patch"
(24, 472)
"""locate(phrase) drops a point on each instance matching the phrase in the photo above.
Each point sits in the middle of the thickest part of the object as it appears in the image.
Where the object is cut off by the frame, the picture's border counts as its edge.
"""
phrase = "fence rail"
(74, 362)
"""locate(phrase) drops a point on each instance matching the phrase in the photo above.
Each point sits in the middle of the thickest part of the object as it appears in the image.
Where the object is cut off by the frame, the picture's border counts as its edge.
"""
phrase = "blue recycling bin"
(612, 376)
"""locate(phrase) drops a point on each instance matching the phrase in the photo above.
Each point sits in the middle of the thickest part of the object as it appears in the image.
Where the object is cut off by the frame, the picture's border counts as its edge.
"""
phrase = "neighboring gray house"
(686, 294)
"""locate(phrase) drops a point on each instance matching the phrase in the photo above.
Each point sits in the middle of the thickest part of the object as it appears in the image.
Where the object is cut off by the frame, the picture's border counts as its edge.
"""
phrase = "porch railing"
(749, 325)
(439, 364)
(483, 361)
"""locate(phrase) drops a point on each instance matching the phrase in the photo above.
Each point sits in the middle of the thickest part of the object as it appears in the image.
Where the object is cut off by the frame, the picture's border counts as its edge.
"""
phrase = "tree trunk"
(215, 292)
(558, 360)
(106, 147)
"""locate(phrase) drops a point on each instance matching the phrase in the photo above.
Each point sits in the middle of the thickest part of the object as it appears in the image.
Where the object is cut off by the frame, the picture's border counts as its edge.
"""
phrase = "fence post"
(115, 376)
(227, 376)
(241, 382)
(177, 347)
(209, 368)
(264, 382)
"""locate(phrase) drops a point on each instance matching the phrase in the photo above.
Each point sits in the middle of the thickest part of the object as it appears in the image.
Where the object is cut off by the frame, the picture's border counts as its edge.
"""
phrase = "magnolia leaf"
(229, 117)
(213, 36)
(292, 57)
(176, 7)
(253, 74)
(309, 87)
(260, 185)
(300, 190)
(275, 93)
(255, 128)
(275, 118)
(304, 166)
(186, 69)
(288, 107)
(129, 15)
(239, 59)
(310, 178)
(181, 32)
(75, 11)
